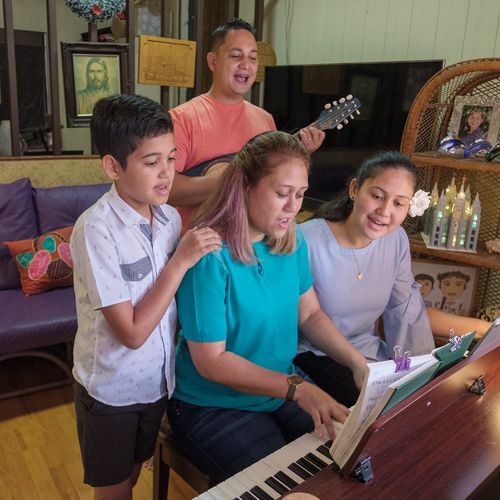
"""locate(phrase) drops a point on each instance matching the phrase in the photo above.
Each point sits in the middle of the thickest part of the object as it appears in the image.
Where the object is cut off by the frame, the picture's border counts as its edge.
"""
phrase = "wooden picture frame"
(447, 286)
(487, 109)
(92, 71)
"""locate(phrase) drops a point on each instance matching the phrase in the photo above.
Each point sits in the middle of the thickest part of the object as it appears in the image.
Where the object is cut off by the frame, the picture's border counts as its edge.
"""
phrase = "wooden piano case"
(441, 442)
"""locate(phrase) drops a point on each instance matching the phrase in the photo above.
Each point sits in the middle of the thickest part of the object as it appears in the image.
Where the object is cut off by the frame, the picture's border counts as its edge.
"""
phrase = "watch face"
(295, 379)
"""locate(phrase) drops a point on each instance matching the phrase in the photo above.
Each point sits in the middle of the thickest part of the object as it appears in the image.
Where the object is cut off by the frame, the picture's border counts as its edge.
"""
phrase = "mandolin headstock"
(338, 113)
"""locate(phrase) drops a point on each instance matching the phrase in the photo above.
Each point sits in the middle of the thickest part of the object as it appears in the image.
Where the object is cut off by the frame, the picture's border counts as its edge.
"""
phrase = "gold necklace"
(360, 273)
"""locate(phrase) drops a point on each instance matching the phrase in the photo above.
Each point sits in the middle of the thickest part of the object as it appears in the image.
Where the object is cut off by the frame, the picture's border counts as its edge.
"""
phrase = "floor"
(39, 453)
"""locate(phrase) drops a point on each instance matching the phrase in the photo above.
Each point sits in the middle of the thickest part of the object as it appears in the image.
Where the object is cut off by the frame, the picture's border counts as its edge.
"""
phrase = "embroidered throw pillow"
(44, 262)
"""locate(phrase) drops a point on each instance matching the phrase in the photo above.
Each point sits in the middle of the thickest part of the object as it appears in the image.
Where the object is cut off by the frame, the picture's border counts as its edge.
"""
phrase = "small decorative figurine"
(451, 145)
(478, 148)
(494, 153)
(452, 221)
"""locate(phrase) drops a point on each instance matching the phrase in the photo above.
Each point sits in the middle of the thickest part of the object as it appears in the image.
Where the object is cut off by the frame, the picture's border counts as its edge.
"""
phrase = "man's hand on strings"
(311, 138)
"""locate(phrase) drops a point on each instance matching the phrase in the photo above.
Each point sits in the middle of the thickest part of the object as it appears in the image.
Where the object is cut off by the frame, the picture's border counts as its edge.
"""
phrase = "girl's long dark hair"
(340, 207)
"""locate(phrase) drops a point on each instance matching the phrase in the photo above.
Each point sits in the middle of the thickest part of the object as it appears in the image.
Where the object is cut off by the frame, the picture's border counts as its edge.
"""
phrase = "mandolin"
(334, 115)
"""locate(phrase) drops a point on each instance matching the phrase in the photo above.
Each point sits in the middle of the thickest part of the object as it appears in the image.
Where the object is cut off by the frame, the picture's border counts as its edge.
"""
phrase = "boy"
(126, 274)
(452, 285)
(426, 283)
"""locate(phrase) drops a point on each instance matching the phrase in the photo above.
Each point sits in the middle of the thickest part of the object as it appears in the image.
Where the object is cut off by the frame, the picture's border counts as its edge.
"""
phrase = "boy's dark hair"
(219, 34)
(121, 122)
(424, 277)
(341, 207)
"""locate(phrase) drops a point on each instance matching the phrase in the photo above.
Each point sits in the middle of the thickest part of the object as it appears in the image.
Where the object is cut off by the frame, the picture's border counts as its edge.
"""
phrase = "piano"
(441, 442)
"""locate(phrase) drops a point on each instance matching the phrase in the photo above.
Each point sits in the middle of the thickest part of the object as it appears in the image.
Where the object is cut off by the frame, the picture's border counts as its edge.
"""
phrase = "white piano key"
(254, 480)
(256, 474)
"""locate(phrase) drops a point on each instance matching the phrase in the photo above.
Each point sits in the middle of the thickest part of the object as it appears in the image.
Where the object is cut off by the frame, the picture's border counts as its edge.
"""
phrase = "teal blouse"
(254, 308)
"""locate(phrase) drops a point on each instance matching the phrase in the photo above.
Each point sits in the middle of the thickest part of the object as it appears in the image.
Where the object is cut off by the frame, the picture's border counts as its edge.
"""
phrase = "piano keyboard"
(276, 474)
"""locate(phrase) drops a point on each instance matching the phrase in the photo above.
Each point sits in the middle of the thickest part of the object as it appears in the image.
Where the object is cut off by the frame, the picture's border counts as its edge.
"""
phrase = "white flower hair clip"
(419, 203)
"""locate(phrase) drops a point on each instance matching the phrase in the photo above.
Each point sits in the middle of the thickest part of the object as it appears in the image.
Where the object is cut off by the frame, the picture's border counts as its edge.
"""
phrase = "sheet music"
(380, 376)
(489, 341)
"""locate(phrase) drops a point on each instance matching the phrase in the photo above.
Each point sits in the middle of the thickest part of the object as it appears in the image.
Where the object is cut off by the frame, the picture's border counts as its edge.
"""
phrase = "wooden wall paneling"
(478, 39)
(352, 48)
(452, 19)
(398, 29)
(11, 65)
(200, 48)
(53, 77)
(259, 30)
(423, 28)
(131, 45)
(373, 30)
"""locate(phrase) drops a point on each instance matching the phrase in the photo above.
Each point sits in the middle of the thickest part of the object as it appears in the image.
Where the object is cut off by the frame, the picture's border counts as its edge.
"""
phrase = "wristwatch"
(293, 382)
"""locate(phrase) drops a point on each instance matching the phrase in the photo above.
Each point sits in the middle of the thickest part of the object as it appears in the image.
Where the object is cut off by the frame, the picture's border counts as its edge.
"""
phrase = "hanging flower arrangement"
(96, 10)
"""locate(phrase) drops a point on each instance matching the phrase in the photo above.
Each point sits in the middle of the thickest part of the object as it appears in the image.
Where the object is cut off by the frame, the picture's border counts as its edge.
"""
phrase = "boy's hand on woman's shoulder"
(195, 244)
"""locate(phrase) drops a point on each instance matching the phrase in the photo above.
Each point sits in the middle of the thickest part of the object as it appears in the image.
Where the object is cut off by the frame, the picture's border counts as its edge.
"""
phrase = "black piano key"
(299, 471)
(247, 496)
(276, 485)
(260, 493)
(325, 451)
(316, 460)
(328, 444)
(307, 465)
(286, 480)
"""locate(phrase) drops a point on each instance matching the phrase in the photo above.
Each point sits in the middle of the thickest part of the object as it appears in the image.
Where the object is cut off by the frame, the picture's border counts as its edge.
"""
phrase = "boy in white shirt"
(128, 263)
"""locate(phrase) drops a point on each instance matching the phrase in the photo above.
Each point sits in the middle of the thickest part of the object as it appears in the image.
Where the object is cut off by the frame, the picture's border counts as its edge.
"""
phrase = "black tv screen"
(295, 96)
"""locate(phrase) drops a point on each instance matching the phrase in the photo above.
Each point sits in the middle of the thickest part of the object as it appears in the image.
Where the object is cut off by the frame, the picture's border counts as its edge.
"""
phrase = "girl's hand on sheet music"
(324, 410)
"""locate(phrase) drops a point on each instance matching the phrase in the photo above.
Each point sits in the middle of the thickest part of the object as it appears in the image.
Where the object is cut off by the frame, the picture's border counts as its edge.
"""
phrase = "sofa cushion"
(18, 222)
(61, 206)
(44, 262)
(47, 319)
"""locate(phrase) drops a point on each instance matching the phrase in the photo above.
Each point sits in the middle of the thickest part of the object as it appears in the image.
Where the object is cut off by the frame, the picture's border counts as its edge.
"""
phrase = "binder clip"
(454, 340)
(363, 472)
(402, 360)
(478, 387)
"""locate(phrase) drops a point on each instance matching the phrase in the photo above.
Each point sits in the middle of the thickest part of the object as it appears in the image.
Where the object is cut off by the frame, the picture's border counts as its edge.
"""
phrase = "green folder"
(447, 356)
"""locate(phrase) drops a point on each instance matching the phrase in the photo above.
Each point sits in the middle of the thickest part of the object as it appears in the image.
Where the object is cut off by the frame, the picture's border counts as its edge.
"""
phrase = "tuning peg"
(346, 121)
(328, 105)
(342, 100)
(349, 97)
(339, 126)
(358, 112)
(351, 117)
(334, 103)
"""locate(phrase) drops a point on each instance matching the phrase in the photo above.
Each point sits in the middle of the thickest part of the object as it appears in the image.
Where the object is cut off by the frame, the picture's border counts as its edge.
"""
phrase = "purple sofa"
(30, 323)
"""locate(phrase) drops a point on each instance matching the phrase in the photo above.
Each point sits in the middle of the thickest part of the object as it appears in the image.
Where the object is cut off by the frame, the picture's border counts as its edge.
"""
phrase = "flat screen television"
(295, 95)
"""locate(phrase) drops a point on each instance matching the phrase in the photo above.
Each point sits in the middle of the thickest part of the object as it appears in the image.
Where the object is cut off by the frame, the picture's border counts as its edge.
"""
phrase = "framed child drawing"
(446, 286)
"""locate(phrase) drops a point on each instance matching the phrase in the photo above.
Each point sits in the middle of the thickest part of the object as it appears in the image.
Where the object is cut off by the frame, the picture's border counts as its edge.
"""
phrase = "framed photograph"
(446, 286)
(92, 71)
(475, 117)
(364, 87)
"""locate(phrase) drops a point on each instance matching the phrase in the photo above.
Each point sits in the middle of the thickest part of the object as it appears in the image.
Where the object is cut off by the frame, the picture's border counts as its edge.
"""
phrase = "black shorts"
(115, 438)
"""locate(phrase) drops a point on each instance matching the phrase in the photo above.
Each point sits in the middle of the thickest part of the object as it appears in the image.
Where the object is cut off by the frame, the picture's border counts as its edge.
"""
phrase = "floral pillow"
(44, 262)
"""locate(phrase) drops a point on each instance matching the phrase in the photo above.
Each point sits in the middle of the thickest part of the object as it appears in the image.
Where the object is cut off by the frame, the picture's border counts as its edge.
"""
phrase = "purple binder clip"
(402, 360)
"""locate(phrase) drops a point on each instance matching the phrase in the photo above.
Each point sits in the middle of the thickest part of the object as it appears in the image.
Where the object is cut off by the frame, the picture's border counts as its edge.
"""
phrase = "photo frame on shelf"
(447, 286)
(92, 71)
(475, 117)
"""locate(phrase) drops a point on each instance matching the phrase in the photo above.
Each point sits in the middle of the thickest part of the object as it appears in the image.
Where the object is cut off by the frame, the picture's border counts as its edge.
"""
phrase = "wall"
(327, 31)
(32, 15)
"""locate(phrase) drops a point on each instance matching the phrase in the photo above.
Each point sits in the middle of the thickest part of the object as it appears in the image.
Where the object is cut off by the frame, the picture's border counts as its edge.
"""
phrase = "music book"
(488, 341)
(383, 388)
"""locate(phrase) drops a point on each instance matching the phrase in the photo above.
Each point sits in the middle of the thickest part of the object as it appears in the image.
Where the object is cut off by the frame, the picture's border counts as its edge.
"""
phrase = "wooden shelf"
(480, 259)
(430, 159)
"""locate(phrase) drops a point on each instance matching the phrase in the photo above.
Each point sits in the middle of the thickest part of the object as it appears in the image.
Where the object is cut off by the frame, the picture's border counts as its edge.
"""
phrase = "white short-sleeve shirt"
(117, 256)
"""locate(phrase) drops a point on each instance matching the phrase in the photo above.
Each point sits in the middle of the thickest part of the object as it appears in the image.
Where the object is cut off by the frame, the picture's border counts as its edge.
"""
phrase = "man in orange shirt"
(221, 121)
